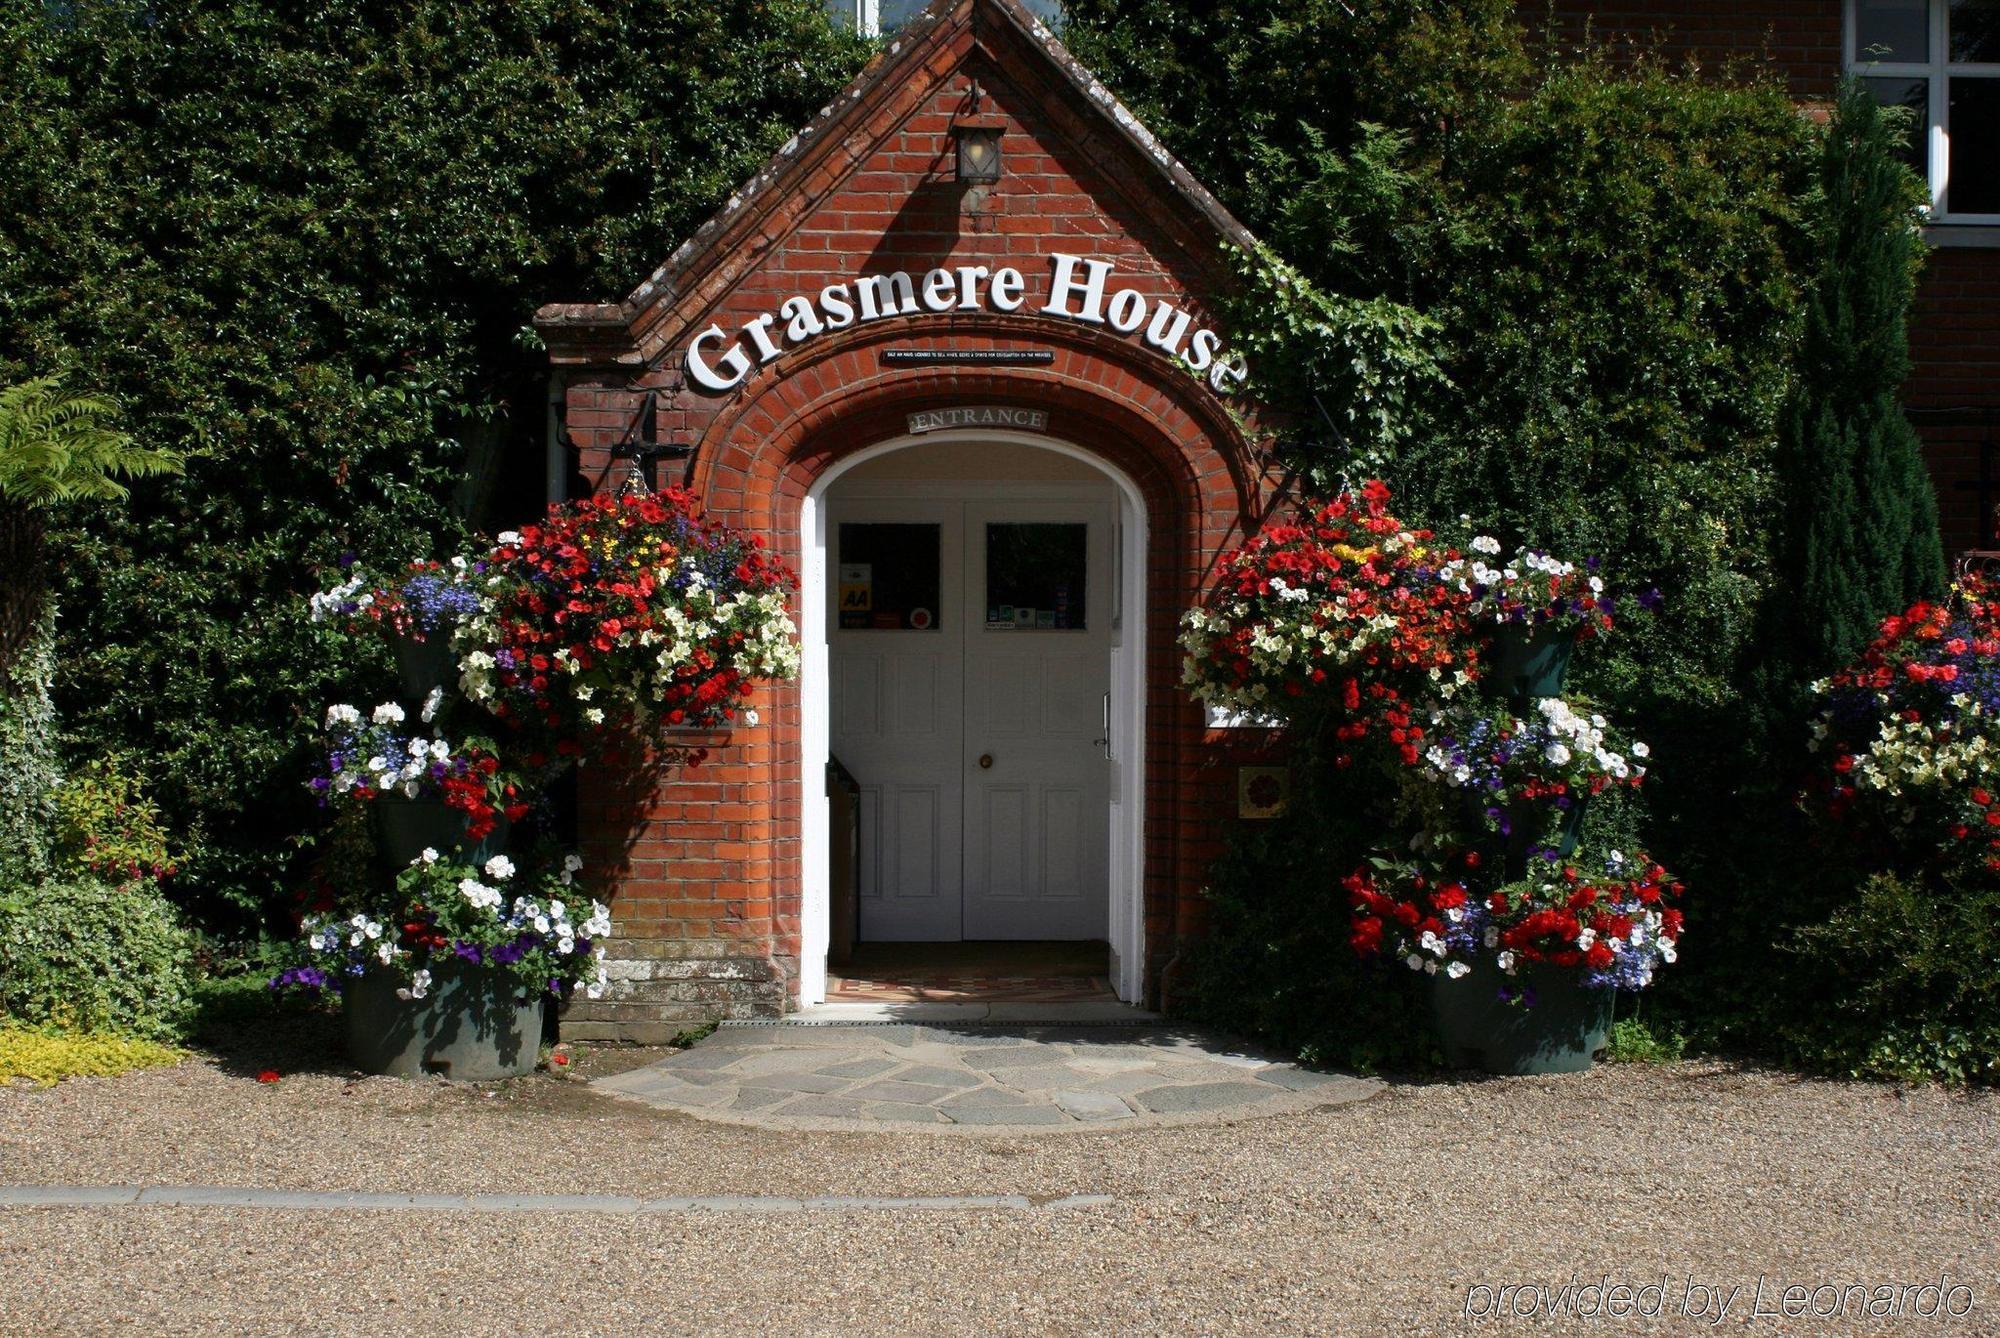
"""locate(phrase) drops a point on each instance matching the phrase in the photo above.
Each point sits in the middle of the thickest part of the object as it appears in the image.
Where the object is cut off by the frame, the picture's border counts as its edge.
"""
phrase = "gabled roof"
(818, 157)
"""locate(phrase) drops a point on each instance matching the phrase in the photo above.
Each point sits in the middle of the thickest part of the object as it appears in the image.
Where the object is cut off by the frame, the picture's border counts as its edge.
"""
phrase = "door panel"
(1037, 834)
(898, 679)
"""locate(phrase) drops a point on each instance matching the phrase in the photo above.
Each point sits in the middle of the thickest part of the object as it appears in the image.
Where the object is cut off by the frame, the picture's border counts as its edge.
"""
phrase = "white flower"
(1457, 969)
(572, 862)
(499, 867)
(541, 924)
(342, 715)
(420, 985)
(1491, 938)
(593, 714)
(1485, 543)
(1414, 962)
(1668, 952)
(388, 713)
(385, 952)
(1641, 750)
(432, 702)
(750, 719)
(1430, 968)
(1505, 961)
(1558, 754)
(1585, 939)
(1431, 943)
(509, 537)
(430, 855)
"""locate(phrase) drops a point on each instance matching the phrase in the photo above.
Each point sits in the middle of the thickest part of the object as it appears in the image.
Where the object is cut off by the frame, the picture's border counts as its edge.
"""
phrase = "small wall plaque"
(1262, 792)
(968, 357)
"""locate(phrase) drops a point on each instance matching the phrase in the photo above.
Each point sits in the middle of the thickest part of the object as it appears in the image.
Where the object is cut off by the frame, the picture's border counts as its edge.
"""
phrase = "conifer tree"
(1863, 537)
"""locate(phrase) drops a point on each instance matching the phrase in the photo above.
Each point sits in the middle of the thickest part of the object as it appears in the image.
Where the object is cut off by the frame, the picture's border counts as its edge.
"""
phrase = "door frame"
(1126, 930)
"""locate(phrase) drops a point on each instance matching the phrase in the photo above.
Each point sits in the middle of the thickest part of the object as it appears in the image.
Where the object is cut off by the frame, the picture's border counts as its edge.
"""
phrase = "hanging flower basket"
(474, 1024)
(1542, 1019)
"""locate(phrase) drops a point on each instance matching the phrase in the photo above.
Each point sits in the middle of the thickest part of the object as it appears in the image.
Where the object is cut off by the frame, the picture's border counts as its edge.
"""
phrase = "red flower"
(269, 1075)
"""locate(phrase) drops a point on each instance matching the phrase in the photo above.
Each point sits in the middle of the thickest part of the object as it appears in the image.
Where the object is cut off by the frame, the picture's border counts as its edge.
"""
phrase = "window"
(876, 17)
(889, 578)
(1035, 576)
(1941, 59)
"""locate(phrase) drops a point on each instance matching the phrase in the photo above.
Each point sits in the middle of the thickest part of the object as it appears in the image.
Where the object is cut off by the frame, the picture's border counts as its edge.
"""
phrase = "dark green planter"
(404, 827)
(1529, 664)
(475, 1024)
(1560, 1033)
(424, 665)
(1534, 826)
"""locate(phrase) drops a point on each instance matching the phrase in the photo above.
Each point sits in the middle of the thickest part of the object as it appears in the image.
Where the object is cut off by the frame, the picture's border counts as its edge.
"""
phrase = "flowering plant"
(1550, 757)
(373, 756)
(626, 612)
(447, 913)
(1531, 589)
(1911, 732)
(431, 599)
(1338, 609)
(1615, 925)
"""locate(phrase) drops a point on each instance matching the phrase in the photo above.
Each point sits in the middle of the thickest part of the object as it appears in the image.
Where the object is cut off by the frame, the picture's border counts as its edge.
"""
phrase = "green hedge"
(303, 243)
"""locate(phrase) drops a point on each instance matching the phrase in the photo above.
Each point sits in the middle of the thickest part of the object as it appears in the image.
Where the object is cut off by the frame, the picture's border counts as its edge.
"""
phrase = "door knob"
(985, 761)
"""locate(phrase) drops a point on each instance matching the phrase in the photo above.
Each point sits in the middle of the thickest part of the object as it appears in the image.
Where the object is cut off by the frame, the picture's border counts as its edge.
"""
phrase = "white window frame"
(1938, 70)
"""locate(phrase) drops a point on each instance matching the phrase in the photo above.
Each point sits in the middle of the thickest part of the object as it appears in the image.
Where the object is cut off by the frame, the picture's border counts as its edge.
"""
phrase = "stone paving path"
(989, 1079)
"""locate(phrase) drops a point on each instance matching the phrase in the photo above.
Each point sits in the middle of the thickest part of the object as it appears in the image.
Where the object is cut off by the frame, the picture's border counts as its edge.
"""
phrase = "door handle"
(986, 761)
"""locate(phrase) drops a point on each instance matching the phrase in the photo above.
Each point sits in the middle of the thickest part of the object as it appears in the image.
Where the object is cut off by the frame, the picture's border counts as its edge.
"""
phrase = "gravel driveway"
(1376, 1216)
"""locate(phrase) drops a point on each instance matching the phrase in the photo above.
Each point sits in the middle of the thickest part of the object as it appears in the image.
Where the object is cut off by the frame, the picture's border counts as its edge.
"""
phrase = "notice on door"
(857, 593)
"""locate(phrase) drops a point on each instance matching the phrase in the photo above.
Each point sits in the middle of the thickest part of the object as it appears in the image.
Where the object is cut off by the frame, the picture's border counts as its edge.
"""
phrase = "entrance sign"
(984, 415)
(1079, 290)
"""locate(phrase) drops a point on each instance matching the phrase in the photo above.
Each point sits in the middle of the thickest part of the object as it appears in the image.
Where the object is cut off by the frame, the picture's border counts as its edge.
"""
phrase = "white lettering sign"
(983, 415)
(1080, 290)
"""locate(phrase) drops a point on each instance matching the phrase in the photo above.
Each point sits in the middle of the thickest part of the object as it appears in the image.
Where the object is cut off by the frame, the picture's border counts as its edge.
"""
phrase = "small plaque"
(979, 415)
(1262, 792)
(968, 357)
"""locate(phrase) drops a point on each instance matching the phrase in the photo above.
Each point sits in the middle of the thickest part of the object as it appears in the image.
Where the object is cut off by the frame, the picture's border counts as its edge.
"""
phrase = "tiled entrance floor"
(973, 973)
(986, 1079)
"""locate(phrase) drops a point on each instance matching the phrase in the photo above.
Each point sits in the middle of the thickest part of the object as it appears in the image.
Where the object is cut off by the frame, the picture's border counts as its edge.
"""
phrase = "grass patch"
(45, 1056)
(1633, 1042)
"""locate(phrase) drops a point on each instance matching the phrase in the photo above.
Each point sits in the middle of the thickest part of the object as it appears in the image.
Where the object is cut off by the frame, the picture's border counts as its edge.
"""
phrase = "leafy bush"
(107, 823)
(1909, 982)
(84, 955)
(46, 1056)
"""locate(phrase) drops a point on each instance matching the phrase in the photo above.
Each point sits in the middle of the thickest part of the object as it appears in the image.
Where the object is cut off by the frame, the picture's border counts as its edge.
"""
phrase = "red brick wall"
(1955, 346)
(706, 868)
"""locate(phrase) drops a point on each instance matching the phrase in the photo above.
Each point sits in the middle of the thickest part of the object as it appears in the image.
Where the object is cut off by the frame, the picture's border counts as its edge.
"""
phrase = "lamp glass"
(978, 155)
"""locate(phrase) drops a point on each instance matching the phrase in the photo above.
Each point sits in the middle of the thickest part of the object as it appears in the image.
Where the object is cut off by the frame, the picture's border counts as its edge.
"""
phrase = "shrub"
(1909, 971)
(1633, 1042)
(47, 1056)
(107, 823)
(84, 955)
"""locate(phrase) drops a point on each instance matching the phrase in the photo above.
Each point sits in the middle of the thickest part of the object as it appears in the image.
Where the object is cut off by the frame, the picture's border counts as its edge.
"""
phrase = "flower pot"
(405, 827)
(1560, 1032)
(424, 665)
(475, 1024)
(1537, 827)
(1530, 663)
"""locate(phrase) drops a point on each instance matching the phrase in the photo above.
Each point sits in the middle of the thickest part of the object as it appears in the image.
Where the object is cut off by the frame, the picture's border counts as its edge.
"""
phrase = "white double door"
(976, 729)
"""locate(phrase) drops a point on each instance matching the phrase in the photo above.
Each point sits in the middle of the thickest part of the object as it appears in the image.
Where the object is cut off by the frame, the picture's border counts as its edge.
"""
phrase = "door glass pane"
(888, 577)
(1975, 31)
(1035, 576)
(1892, 30)
(1975, 147)
(1915, 94)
